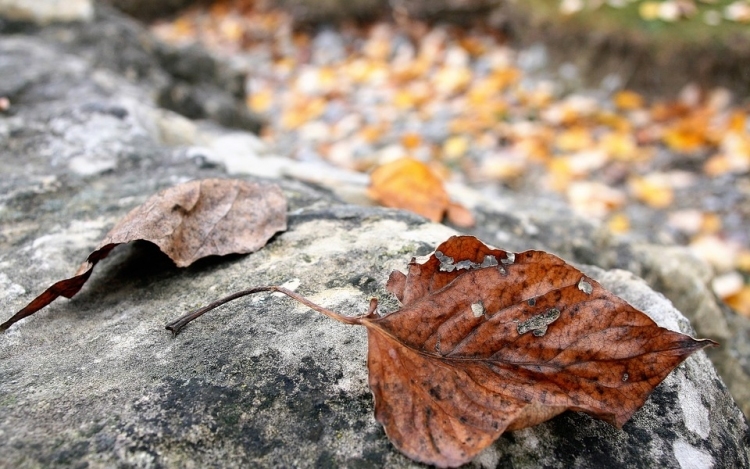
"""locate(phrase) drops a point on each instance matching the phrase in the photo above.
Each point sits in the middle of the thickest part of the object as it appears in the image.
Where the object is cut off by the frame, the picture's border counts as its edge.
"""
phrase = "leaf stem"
(177, 325)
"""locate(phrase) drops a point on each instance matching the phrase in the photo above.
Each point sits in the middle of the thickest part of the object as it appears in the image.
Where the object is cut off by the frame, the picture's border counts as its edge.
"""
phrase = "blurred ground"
(478, 111)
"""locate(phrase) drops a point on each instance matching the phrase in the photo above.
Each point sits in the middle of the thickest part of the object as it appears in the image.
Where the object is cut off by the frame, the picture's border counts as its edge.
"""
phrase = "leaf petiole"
(177, 325)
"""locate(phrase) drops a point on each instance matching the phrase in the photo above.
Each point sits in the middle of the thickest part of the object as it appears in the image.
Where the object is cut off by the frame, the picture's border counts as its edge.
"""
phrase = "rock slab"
(262, 382)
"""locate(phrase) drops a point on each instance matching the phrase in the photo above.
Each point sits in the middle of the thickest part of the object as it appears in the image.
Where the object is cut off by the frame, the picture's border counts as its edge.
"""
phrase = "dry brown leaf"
(210, 217)
(489, 341)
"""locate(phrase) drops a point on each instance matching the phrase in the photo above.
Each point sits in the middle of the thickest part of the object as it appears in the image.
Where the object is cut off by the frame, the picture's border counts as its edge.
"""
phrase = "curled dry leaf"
(411, 185)
(187, 222)
(489, 341)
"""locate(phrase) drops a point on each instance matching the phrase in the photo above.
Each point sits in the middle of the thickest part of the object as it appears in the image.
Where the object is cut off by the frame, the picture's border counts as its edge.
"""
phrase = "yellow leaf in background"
(302, 111)
(717, 165)
(619, 223)
(378, 45)
(584, 162)
(364, 71)
(231, 29)
(455, 147)
(615, 121)
(473, 45)
(183, 27)
(727, 284)
(411, 140)
(482, 91)
(685, 138)
(652, 191)
(574, 139)
(740, 301)
(260, 101)
(501, 167)
(742, 261)
(734, 158)
(405, 72)
(715, 250)
(538, 98)
(327, 78)
(737, 122)
(621, 146)
(451, 80)
(284, 65)
(409, 184)
(559, 175)
(482, 117)
(372, 133)
(594, 198)
(628, 100)
(505, 77)
(404, 100)
(711, 223)
(291, 120)
(532, 149)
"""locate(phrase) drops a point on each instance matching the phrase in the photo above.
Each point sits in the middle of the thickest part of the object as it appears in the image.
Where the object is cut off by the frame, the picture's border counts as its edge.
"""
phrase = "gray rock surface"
(187, 80)
(263, 382)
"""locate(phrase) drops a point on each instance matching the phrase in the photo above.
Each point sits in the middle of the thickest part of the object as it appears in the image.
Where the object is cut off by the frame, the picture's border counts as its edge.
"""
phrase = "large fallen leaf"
(189, 221)
(489, 341)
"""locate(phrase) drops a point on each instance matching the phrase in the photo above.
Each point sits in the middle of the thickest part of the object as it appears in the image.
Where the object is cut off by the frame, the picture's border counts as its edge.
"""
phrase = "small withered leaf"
(187, 222)
(489, 341)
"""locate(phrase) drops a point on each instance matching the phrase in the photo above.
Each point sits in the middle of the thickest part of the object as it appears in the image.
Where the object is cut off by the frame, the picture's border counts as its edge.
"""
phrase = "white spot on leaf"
(585, 286)
(477, 308)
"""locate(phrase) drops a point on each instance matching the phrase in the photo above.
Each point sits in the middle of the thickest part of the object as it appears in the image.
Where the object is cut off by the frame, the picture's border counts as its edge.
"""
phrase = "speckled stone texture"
(263, 382)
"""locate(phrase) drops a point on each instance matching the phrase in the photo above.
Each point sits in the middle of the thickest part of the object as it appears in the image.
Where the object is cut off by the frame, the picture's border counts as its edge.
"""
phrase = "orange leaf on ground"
(740, 301)
(628, 100)
(410, 184)
(653, 191)
(619, 223)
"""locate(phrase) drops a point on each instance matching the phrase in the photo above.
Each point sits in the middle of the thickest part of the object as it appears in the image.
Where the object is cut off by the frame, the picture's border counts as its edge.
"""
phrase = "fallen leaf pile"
(489, 341)
(210, 217)
(464, 103)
